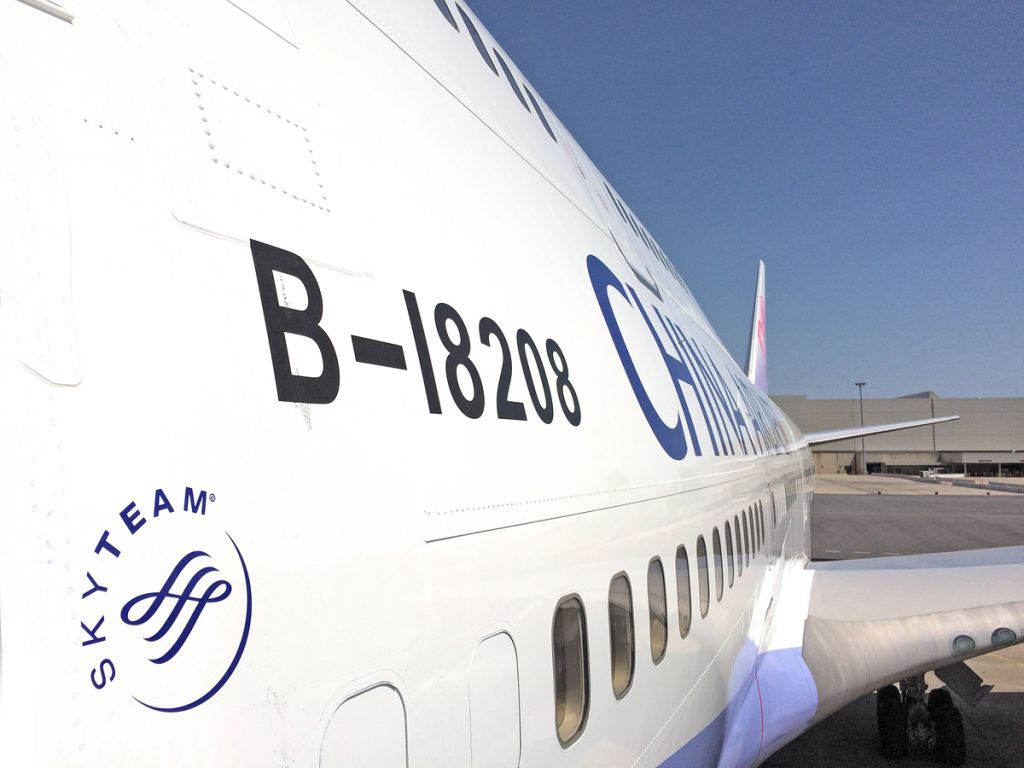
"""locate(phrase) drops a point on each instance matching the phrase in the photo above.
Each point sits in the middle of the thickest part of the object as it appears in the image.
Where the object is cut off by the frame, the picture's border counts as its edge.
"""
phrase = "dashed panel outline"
(198, 78)
(670, 488)
(99, 125)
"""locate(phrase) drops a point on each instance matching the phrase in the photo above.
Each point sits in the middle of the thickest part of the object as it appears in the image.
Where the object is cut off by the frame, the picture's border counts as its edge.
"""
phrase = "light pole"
(863, 456)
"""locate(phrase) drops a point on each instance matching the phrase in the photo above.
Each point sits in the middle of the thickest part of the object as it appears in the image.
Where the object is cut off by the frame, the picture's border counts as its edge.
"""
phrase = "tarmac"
(879, 516)
(859, 485)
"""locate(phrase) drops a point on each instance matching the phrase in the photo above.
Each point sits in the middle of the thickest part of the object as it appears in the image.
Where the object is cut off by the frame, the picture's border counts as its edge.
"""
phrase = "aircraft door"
(494, 703)
(367, 731)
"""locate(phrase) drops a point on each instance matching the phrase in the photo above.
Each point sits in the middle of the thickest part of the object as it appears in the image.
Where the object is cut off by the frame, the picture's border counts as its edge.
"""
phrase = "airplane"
(352, 418)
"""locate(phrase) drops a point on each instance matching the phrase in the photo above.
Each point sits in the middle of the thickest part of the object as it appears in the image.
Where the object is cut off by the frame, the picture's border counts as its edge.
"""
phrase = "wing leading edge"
(815, 438)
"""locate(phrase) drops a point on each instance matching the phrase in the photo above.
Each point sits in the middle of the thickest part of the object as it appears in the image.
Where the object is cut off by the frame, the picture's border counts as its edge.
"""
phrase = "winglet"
(757, 359)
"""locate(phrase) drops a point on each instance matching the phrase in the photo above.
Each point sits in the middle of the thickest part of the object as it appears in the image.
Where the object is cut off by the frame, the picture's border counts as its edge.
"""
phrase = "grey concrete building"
(987, 441)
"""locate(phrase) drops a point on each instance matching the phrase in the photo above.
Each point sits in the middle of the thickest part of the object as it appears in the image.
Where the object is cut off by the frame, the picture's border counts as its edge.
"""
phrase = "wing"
(872, 622)
(814, 438)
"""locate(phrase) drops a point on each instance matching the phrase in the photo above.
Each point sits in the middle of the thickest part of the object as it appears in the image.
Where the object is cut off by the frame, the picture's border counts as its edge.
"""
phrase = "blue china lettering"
(677, 369)
(672, 438)
(737, 414)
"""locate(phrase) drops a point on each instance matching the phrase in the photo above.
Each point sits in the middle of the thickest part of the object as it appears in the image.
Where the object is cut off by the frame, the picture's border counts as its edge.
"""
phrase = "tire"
(888, 692)
(937, 699)
(950, 747)
(892, 722)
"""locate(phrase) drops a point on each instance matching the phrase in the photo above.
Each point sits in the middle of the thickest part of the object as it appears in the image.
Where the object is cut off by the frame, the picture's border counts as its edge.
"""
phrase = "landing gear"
(892, 722)
(911, 721)
(938, 699)
(920, 728)
(949, 742)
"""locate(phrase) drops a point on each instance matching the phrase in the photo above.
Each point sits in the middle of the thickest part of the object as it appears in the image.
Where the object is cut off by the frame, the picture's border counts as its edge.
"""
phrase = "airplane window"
(746, 540)
(716, 548)
(643, 236)
(658, 609)
(702, 576)
(753, 533)
(683, 590)
(632, 223)
(618, 205)
(569, 645)
(752, 513)
(442, 6)
(477, 41)
(654, 249)
(650, 243)
(728, 551)
(622, 211)
(540, 113)
(739, 545)
(511, 79)
(620, 625)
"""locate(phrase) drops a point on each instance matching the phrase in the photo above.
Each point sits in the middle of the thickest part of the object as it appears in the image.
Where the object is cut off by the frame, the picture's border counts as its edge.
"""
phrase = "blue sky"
(871, 153)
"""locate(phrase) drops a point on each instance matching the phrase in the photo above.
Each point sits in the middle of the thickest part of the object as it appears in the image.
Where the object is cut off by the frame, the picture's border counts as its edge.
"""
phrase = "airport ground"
(877, 516)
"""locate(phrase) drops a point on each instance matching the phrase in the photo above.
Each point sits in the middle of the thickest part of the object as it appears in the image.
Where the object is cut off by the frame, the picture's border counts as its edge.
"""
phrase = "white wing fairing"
(871, 622)
(332, 366)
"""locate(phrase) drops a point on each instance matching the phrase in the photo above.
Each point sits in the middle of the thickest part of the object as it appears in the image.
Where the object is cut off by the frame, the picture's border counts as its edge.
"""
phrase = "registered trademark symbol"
(213, 497)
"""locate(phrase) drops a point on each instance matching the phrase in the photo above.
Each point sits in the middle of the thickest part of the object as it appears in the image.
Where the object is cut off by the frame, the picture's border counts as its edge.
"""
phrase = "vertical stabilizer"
(757, 358)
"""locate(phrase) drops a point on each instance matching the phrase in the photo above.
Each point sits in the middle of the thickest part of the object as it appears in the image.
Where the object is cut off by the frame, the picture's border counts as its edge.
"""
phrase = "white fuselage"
(388, 559)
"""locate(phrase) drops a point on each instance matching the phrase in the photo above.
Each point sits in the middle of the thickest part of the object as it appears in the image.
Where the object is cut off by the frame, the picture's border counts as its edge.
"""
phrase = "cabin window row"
(519, 89)
(745, 536)
(641, 233)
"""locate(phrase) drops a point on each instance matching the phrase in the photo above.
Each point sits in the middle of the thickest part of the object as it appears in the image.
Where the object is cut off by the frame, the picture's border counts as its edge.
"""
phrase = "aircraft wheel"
(938, 699)
(888, 692)
(950, 748)
(892, 722)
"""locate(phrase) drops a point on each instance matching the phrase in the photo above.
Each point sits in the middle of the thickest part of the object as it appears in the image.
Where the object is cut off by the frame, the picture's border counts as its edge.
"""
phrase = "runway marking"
(833, 552)
(890, 554)
(856, 552)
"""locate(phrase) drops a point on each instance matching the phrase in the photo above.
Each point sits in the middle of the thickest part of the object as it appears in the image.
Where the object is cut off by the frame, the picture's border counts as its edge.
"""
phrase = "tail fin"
(757, 359)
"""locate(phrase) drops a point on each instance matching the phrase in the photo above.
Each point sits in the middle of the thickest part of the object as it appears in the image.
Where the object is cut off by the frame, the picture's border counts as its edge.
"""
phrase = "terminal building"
(987, 441)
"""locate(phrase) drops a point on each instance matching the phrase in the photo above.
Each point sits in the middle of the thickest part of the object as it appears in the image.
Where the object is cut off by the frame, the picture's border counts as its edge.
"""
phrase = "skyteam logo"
(169, 604)
(150, 604)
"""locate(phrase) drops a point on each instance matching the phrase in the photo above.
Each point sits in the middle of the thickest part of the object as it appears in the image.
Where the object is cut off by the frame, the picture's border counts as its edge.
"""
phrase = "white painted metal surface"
(494, 703)
(324, 349)
(368, 729)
